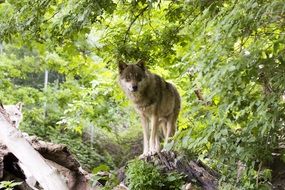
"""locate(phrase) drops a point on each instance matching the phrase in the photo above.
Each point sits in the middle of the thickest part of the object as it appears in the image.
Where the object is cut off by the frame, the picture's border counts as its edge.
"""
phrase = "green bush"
(145, 176)
(9, 185)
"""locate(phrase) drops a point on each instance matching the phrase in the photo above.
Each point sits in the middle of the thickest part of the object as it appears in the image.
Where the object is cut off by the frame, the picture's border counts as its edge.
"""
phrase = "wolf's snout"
(13, 122)
(135, 88)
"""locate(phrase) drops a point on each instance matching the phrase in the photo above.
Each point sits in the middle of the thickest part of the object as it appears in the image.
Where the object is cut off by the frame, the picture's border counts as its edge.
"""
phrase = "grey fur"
(157, 102)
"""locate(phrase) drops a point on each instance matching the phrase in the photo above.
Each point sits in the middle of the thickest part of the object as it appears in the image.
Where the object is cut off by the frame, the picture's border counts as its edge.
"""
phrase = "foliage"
(241, 72)
(232, 51)
(110, 180)
(173, 180)
(142, 175)
(9, 185)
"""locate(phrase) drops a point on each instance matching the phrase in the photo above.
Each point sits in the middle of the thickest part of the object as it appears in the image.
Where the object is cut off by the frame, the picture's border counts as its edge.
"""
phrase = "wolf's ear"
(141, 64)
(19, 105)
(122, 65)
(1, 105)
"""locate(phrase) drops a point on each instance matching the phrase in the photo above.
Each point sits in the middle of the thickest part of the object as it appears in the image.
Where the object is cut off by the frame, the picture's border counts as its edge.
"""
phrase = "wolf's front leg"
(153, 135)
(145, 136)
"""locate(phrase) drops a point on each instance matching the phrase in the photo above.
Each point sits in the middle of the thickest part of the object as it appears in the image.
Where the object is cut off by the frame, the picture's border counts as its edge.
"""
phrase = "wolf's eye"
(139, 79)
(128, 79)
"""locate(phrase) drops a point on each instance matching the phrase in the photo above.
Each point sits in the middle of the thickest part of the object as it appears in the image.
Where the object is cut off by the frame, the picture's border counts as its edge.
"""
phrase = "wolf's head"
(133, 77)
(15, 113)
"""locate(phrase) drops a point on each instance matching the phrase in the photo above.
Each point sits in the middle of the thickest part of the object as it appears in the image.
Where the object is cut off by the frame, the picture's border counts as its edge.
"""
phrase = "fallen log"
(51, 165)
(57, 156)
(16, 143)
(169, 161)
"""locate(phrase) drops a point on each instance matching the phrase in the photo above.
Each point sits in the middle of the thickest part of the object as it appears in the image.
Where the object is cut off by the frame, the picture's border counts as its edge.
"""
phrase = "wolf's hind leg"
(157, 143)
(161, 134)
(170, 130)
(163, 125)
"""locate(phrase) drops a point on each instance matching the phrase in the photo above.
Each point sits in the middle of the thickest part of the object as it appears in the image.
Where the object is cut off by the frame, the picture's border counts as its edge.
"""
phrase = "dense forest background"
(227, 59)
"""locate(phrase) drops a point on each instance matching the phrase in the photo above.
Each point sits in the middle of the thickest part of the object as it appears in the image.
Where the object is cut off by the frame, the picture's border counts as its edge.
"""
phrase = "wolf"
(156, 101)
(15, 113)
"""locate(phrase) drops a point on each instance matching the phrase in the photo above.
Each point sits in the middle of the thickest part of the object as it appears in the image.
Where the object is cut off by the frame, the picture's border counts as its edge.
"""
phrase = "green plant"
(9, 185)
(173, 181)
(145, 176)
(97, 177)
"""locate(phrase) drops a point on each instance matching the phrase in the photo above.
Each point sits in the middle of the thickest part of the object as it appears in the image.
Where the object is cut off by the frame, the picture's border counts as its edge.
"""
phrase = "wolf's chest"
(146, 110)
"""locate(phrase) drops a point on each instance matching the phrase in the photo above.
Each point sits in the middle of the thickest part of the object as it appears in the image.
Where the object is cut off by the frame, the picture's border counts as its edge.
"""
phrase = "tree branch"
(133, 21)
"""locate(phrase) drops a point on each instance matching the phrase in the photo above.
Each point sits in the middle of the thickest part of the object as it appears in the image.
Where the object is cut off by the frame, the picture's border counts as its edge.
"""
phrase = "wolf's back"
(168, 98)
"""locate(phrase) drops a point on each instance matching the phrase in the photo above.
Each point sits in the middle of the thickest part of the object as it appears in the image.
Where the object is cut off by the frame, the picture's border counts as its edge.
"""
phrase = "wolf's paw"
(152, 152)
(142, 156)
(164, 150)
(149, 153)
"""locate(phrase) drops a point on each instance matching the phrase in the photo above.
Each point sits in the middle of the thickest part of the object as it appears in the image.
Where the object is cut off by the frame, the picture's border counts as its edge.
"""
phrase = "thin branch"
(200, 97)
(133, 21)
(258, 173)
(137, 42)
(52, 16)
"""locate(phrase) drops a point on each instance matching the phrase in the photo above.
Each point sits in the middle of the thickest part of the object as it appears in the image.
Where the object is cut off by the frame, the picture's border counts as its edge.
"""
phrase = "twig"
(133, 21)
(258, 172)
(199, 95)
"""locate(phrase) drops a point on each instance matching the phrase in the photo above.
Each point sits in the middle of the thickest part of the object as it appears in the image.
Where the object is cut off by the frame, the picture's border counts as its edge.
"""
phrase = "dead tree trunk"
(55, 155)
(47, 176)
(169, 161)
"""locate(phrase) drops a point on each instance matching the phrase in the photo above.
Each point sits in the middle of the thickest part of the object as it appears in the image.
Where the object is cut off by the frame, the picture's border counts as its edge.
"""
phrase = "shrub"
(145, 176)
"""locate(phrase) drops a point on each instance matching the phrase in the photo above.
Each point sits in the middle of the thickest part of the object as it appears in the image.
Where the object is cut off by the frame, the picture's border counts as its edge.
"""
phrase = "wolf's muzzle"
(134, 88)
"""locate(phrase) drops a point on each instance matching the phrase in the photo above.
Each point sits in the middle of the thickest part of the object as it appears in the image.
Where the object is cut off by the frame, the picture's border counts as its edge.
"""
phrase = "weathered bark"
(169, 161)
(55, 155)
(60, 158)
(47, 176)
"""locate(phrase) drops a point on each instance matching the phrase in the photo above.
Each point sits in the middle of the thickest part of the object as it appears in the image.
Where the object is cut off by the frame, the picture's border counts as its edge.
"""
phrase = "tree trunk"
(169, 161)
(47, 176)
